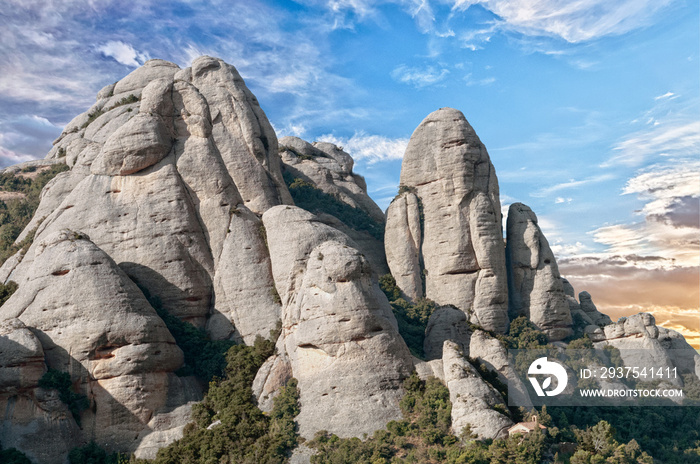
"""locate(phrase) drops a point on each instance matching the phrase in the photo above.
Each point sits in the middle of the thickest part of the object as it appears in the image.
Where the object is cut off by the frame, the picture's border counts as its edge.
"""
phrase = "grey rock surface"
(446, 323)
(463, 258)
(493, 354)
(591, 312)
(403, 239)
(329, 169)
(474, 401)
(535, 288)
(642, 343)
(338, 331)
(103, 332)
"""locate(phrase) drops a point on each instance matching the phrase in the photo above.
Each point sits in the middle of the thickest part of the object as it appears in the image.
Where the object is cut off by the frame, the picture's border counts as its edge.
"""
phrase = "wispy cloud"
(573, 22)
(419, 77)
(25, 137)
(123, 53)
(572, 184)
(670, 128)
(370, 148)
(669, 139)
(666, 95)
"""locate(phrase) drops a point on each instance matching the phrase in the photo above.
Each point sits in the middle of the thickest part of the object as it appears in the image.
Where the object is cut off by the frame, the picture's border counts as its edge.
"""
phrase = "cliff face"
(445, 228)
(180, 204)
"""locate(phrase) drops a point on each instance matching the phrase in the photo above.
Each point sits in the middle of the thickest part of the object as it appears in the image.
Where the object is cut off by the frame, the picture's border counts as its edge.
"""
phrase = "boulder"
(462, 254)
(535, 288)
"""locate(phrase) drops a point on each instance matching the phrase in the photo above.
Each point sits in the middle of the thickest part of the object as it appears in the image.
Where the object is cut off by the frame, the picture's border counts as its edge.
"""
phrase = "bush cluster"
(228, 427)
(412, 318)
(314, 200)
(60, 381)
(204, 358)
(16, 214)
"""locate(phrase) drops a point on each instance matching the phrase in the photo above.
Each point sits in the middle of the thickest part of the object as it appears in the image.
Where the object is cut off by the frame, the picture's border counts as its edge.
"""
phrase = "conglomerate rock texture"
(449, 192)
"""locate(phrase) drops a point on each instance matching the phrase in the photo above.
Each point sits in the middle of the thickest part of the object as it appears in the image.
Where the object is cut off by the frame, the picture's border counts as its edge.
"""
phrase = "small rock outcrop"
(446, 323)
(448, 181)
(642, 343)
(493, 354)
(475, 403)
(339, 337)
(534, 285)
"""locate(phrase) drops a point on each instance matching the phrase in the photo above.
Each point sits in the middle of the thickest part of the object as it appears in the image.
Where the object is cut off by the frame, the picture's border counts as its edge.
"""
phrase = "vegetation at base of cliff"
(314, 200)
(423, 436)
(92, 453)
(13, 456)
(16, 214)
(671, 434)
(411, 318)
(204, 358)
(60, 381)
(228, 427)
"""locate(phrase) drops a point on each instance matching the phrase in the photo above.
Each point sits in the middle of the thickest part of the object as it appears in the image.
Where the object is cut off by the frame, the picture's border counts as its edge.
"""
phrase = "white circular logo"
(542, 366)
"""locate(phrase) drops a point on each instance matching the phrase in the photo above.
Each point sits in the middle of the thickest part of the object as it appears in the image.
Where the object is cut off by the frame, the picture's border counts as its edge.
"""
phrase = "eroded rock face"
(474, 401)
(446, 323)
(590, 311)
(166, 168)
(642, 343)
(403, 239)
(329, 169)
(448, 170)
(103, 332)
(339, 337)
(491, 352)
(535, 288)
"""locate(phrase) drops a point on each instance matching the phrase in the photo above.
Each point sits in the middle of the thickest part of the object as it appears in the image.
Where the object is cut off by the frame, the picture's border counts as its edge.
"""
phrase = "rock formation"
(339, 337)
(642, 343)
(475, 403)
(177, 199)
(446, 323)
(450, 185)
(103, 332)
(329, 169)
(534, 285)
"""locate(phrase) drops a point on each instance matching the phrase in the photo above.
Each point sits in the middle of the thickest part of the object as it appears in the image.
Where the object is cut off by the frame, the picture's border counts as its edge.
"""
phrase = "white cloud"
(574, 22)
(370, 148)
(666, 95)
(419, 77)
(673, 138)
(123, 53)
(571, 184)
(25, 137)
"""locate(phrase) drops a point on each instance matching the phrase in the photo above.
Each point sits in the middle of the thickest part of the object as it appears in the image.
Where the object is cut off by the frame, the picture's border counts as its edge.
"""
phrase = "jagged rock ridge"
(177, 190)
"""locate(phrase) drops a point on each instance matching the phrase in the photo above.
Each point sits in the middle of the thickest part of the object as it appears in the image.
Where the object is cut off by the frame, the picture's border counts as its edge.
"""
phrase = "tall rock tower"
(444, 238)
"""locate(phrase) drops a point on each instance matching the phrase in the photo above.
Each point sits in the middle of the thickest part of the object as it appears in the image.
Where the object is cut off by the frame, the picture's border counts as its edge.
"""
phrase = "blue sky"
(590, 109)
